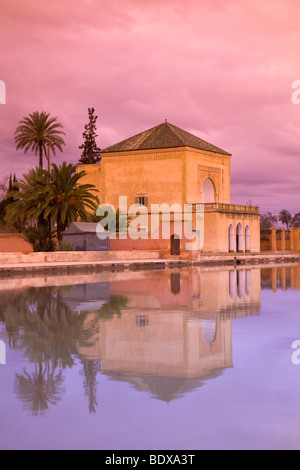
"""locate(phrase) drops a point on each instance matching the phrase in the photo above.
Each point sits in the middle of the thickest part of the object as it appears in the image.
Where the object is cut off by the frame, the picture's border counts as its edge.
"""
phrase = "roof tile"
(163, 136)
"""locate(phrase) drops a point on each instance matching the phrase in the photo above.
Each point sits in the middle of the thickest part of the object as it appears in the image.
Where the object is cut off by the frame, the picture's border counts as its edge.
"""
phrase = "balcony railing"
(236, 208)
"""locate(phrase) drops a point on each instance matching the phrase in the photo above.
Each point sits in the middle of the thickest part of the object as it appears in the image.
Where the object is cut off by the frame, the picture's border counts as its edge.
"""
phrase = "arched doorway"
(247, 238)
(239, 237)
(207, 191)
(175, 245)
(230, 238)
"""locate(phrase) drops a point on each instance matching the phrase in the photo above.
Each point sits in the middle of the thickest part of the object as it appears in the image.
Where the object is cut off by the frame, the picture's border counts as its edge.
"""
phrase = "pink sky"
(221, 69)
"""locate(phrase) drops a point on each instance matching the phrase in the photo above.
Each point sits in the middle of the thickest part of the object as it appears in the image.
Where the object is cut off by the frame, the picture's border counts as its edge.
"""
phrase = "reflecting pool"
(182, 359)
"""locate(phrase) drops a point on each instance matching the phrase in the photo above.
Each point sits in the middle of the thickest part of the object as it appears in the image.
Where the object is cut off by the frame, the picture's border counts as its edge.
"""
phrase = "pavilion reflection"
(165, 332)
(176, 329)
(281, 277)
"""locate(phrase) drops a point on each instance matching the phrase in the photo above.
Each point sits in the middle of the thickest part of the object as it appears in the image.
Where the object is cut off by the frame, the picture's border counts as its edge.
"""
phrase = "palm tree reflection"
(51, 335)
(39, 389)
(90, 370)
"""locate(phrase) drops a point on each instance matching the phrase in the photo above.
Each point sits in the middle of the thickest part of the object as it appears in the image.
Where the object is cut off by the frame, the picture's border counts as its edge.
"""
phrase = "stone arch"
(247, 238)
(231, 238)
(239, 237)
(208, 191)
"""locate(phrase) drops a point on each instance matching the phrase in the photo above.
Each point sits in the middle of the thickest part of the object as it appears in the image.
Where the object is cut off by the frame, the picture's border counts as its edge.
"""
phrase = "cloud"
(222, 70)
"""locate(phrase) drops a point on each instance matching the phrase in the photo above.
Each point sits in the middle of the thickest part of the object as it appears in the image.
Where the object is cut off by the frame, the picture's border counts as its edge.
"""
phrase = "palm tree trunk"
(41, 156)
(61, 227)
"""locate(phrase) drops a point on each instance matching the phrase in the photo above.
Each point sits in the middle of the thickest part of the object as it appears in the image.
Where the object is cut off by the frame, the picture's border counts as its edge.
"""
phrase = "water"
(189, 359)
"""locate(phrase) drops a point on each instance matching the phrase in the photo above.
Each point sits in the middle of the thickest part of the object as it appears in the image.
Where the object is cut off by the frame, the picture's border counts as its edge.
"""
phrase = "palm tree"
(285, 218)
(296, 220)
(268, 220)
(39, 132)
(47, 201)
(26, 206)
(66, 200)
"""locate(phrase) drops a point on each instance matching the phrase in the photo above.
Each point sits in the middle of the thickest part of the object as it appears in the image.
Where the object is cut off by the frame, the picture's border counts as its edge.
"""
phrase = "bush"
(41, 238)
(65, 246)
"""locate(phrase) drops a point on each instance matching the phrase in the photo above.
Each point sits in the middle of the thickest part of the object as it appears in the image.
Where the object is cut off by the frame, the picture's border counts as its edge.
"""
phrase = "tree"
(296, 220)
(26, 209)
(39, 132)
(267, 221)
(27, 203)
(285, 218)
(4, 184)
(8, 187)
(90, 151)
(41, 237)
(66, 200)
(51, 201)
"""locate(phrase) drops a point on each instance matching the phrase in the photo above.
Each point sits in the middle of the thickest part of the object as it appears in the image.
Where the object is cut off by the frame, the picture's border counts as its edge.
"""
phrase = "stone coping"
(9, 234)
(122, 263)
(17, 281)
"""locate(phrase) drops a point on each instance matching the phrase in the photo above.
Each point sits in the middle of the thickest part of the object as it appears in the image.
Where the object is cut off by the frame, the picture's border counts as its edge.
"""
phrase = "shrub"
(65, 246)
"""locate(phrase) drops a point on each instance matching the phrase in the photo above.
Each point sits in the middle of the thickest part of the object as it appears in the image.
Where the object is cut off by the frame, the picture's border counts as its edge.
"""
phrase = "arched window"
(232, 277)
(248, 283)
(247, 238)
(230, 238)
(239, 237)
(240, 280)
(208, 191)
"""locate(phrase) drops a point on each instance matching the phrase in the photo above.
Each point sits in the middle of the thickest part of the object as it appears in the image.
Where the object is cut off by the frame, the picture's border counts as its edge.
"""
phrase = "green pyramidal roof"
(163, 136)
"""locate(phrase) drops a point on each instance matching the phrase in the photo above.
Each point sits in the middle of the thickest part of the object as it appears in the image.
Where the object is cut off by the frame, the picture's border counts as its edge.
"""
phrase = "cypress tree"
(90, 151)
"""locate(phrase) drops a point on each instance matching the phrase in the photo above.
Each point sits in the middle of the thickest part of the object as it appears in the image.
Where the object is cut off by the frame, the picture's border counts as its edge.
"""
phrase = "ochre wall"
(150, 243)
(157, 174)
(296, 239)
(165, 176)
(171, 176)
(292, 244)
(216, 238)
(14, 243)
(93, 177)
(199, 166)
(216, 225)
